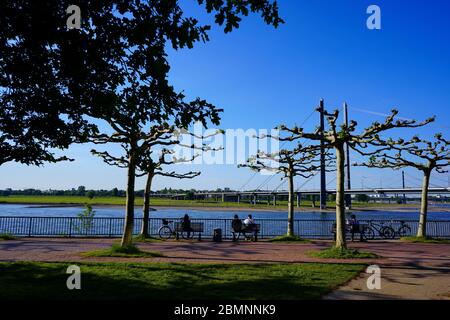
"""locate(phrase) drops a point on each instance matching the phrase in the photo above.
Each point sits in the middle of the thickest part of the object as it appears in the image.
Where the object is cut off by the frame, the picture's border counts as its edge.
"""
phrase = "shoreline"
(228, 209)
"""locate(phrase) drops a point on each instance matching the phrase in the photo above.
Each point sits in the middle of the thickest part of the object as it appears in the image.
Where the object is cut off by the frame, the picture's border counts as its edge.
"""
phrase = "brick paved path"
(411, 271)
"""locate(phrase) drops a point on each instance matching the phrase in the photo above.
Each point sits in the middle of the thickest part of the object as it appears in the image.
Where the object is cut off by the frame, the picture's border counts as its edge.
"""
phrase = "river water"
(173, 213)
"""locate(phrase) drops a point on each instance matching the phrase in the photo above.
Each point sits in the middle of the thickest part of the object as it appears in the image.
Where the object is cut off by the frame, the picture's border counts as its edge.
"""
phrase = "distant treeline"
(83, 192)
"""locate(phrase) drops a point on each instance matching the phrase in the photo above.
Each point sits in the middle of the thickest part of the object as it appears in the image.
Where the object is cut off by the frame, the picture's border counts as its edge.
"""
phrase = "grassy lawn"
(425, 240)
(174, 281)
(336, 253)
(287, 238)
(124, 252)
(171, 202)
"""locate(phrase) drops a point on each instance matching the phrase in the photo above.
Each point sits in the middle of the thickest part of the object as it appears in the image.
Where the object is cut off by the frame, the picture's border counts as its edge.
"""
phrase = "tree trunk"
(422, 230)
(340, 203)
(146, 208)
(290, 230)
(127, 236)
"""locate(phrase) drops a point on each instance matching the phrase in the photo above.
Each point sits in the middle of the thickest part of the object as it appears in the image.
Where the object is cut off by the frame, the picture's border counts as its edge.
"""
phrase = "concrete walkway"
(408, 271)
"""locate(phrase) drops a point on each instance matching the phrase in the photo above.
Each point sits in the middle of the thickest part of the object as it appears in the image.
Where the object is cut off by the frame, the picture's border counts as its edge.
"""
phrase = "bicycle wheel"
(404, 231)
(369, 234)
(388, 232)
(165, 232)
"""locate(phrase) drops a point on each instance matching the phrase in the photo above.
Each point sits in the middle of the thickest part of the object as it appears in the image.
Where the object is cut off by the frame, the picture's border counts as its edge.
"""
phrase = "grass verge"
(337, 253)
(425, 240)
(122, 252)
(7, 236)
(120, 201)
(41, 280)
(287, 238)
(141, 238)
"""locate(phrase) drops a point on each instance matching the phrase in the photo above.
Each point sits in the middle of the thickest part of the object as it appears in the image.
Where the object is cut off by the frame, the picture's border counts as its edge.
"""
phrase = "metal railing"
(113, 227)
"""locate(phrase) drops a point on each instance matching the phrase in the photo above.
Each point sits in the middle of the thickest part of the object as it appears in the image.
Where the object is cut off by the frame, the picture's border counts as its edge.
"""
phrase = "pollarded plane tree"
(335, 137)
(426, 156)
(135, 130)
(150, 166)
(299, 161)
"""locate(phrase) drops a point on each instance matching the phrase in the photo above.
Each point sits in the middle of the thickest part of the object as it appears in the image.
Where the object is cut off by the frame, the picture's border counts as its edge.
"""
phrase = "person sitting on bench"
(236, 224)
(249, 223)
(354, 227)
(186, 225)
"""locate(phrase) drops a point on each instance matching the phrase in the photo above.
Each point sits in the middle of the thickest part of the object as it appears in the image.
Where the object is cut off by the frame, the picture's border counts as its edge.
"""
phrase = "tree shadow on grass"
(174, 281)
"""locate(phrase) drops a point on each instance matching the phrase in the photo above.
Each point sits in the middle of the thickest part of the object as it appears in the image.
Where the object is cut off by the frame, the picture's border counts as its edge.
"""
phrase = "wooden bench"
(196, 227)
(248, 232)
(358, 229)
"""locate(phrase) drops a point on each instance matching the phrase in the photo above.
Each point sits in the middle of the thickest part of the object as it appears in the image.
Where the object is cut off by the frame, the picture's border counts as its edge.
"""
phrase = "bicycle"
(387, 232)
(165, 231)
(404, 229)
(168, 229)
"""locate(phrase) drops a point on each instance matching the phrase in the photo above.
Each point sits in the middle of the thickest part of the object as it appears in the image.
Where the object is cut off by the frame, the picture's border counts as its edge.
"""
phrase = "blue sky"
(263, 76)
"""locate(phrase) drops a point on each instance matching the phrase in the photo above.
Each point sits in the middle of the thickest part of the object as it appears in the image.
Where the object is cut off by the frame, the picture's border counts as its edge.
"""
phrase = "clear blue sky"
(263, 76)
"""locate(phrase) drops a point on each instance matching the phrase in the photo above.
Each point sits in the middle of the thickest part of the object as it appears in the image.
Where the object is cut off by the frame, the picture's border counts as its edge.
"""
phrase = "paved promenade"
(408, 271)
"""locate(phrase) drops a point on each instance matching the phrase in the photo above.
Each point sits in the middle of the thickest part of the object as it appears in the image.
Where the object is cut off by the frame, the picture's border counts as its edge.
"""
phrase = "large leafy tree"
(114, 68)
(43, 81)
(426, 156)
(51, 77)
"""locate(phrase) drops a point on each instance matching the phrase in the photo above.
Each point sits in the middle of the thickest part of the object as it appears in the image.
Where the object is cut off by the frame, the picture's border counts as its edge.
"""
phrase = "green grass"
(6, 236)
(425, 240)
(120, 201)
(336, 253)
(123, 252)
(287, 238)
(40, 280)
(141, 238)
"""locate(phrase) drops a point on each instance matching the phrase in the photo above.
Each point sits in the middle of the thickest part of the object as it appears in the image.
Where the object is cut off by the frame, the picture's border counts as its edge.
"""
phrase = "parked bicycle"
(166, 231)
(403, 230)
(170, 228)
(384, 231)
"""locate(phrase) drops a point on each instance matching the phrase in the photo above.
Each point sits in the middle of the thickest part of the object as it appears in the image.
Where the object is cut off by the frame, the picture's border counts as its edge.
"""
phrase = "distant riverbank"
(306, 206)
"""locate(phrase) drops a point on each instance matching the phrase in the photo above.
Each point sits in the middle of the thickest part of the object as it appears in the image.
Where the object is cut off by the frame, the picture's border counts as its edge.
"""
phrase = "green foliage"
(414, 239)
(287, 238)
(90, 194)
(190, 195)
(362, 198)
(175, 281)
(116, 250)
(338, 253)
(115, 66)
(85, 219)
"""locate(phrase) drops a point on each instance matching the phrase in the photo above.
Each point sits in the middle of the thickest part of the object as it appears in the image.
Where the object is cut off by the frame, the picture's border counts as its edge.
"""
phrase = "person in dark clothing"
(186, 224)
(236, 224)
(354, 227)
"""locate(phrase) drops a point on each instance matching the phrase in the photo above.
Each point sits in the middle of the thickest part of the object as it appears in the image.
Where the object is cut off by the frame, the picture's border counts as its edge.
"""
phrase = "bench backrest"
(195, 227)
(360, 227)
(253, 227)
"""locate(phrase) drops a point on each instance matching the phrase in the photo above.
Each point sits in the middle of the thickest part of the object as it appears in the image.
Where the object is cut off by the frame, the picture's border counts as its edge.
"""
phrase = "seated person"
(186, 225)
(236, 224)
(354, 227)
(249, 223)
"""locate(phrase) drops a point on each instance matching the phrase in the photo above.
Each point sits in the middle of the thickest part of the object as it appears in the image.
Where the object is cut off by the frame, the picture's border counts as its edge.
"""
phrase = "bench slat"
(195, 227)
